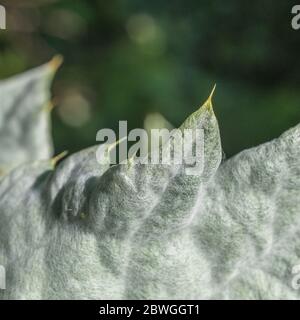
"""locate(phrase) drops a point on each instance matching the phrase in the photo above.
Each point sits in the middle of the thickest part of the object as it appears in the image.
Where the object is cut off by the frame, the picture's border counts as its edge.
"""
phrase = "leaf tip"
(56, 62)
(212, 91)
(208, 102)
(50, 105)
(59, 157)
(115, 144)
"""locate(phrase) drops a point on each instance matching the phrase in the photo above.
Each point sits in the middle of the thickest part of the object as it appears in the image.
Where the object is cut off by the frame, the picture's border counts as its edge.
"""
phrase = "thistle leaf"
(249, 225)
(25, 117)
(86, 217)
(85, 230)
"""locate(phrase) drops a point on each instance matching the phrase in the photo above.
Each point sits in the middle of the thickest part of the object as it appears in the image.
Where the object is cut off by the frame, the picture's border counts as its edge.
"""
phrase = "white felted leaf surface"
(132, 231)
(249, 225)
(25, 118)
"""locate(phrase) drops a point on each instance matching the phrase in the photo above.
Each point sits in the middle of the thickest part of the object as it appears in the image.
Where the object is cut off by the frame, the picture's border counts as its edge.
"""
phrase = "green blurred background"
(125, 59)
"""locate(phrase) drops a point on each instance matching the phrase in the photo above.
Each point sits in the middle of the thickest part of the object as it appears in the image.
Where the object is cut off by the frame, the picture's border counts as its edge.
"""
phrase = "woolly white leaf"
(249, 225)
(24, 117)
(136, 231)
